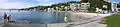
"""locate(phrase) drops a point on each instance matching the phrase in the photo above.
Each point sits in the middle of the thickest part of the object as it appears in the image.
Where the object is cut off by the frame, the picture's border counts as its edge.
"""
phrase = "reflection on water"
(35, 17)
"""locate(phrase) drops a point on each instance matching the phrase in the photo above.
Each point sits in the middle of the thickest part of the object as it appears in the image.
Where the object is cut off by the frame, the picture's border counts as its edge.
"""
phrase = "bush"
(91, 9)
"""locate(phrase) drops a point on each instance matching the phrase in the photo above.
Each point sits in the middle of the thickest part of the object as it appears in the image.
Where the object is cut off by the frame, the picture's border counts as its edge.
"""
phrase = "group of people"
(7, 19)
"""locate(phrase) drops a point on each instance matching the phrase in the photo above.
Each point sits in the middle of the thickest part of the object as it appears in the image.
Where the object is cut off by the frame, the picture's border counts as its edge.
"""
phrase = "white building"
(50, 9)
(85, 6)
(74, 6)
(105, 6)
(81, 7)
(114, 7)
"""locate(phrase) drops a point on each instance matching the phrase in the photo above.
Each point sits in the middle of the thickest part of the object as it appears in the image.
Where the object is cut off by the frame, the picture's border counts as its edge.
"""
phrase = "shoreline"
(73, 13)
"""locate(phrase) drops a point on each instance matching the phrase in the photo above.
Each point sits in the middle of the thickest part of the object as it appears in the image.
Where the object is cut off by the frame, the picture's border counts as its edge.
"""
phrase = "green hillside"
(97, 3)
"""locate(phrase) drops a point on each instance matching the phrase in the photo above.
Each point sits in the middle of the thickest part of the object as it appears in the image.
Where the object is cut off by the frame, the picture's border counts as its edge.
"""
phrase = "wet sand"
(13, 25)
(23, 25)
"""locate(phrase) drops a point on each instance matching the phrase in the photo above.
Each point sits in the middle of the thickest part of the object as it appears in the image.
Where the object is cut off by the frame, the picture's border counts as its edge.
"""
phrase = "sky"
(17, 4)
(116, 0)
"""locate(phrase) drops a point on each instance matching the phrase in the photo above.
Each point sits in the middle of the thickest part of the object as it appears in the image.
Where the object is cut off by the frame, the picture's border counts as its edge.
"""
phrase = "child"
(9, 18)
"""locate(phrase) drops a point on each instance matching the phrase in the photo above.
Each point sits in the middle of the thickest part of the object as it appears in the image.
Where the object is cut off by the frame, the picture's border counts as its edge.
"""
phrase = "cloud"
(12, 5)
(5, 4)
(8, 4)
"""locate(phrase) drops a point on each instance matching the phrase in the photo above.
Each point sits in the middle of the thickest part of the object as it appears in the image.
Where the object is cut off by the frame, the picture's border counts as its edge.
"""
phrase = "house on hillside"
(115, 7)
(84, 6)
(79, 6)
(75, 6)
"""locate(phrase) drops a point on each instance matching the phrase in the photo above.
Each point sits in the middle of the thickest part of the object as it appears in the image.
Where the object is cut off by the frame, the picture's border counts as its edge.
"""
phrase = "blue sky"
(6, 4)
(116, 0)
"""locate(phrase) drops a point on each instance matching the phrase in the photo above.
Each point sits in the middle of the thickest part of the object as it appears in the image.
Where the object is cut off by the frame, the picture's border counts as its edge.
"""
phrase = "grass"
(113, 21)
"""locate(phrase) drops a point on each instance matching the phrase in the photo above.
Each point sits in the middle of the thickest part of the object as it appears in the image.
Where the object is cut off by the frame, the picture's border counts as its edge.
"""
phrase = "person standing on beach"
(5, 19)
(5, 16)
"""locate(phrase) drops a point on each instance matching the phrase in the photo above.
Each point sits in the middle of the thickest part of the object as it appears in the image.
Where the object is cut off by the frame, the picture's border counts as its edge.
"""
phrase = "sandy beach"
(75, 16)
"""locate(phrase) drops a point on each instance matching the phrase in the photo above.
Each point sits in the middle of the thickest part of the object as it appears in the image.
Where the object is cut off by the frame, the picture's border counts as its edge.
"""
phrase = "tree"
(91, 9)
(85, 1)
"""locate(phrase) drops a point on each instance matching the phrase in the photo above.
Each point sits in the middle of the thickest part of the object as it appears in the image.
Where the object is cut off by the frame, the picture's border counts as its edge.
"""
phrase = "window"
(118, 5)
